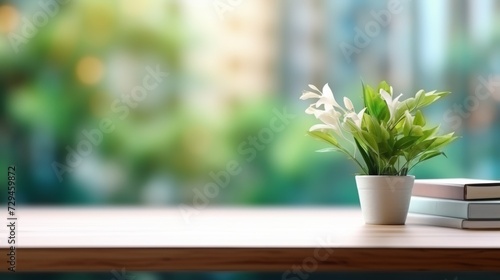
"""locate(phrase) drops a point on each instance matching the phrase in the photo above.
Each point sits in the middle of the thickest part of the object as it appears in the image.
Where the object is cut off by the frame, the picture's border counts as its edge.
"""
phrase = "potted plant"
(386, 139)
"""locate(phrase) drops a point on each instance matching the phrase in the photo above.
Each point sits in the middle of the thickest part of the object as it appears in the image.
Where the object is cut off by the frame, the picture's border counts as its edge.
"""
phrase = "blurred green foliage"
(65, 77)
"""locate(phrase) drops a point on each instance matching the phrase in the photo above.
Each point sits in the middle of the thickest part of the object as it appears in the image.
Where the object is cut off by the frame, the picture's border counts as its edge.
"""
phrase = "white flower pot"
(384, 199)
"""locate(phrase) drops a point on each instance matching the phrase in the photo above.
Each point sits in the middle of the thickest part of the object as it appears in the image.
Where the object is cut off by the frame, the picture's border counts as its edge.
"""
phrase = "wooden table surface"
(243, 239)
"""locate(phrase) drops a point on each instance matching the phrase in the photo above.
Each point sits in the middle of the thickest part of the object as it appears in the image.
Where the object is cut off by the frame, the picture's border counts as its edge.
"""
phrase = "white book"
(484, 209)
(440, 221)
(457, 188)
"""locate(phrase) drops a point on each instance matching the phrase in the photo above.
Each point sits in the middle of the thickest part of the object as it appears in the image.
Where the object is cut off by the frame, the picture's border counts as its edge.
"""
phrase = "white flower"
(330, 119)
(392, 104)
(327, 98)
(313, 87)
(309, 94)
(320, 127)
(356, 118)
(311, 110)
(348, 104)
(360, 117)
(324, 97)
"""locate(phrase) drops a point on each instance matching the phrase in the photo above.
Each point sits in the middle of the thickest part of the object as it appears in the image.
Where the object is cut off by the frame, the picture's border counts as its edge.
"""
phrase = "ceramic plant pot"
(384, 199)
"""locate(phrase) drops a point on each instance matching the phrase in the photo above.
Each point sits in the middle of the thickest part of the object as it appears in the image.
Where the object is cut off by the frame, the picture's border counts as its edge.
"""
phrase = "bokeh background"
(231, 64)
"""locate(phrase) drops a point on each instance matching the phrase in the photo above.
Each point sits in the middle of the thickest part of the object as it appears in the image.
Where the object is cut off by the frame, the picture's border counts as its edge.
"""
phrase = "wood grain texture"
(255, 259)
(263, 239)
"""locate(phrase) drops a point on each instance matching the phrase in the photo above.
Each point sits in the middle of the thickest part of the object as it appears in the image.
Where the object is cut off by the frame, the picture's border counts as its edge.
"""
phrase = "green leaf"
(368, 97)
(325, 137)
(429, 154)
(423, 146)
(386, 135)
(419, 147)
(382, 110)
(370, 163)
(373, 127)
(370, 141)
(385, 86)
(407, 104)
(406, 142)
(393, 160)
(407, 126)
(442, 141)
(385, 150)
(419, 119)
(433, 96)
(429, 132)
(416, 130)
(375, 105)
(327, 150)
(419, 98)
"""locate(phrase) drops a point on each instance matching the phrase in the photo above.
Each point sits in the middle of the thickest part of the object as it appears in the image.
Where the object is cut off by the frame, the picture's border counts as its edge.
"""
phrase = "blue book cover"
(485, 209)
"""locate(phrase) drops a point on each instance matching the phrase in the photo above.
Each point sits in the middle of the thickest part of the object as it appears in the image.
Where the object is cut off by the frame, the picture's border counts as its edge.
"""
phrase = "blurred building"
(229, 65)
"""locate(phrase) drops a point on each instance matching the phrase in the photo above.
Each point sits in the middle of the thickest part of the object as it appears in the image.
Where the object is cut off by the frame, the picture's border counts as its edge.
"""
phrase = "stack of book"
(457, 202)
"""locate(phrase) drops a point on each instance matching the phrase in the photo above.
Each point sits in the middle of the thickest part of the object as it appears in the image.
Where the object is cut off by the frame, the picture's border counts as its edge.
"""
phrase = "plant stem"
(354, 158)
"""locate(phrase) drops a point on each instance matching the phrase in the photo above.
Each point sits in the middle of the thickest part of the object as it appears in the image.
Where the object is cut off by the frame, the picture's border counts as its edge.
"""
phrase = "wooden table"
(290, 240)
